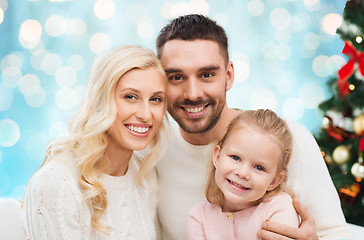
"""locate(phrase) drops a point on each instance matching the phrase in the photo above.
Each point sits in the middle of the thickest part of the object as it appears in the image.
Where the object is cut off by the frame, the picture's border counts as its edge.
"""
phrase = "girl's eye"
(235, 158)
(259, 168)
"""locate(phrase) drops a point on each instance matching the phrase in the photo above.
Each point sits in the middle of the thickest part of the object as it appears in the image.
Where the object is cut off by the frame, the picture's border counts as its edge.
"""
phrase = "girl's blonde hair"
(90, 123)
(261, 120)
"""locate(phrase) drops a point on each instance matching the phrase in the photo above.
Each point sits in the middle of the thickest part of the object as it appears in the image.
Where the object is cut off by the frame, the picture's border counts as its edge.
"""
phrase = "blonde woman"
(92, 185)
(246, 183)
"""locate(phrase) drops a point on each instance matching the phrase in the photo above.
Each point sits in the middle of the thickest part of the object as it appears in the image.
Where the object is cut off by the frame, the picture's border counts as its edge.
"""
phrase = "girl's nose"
(243, 171)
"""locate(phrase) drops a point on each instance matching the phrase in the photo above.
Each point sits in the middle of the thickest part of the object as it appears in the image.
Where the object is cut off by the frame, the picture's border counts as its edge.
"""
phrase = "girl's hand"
(277, 231)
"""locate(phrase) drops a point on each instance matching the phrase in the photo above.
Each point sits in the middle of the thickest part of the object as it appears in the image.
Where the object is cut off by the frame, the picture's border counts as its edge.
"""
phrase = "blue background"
(284, 51)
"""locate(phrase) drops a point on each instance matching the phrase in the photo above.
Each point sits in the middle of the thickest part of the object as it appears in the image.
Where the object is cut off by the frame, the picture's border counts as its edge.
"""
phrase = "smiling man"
(194, 53)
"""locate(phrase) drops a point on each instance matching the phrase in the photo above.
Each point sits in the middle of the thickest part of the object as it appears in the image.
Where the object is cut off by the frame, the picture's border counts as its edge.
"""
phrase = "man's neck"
(216, 133)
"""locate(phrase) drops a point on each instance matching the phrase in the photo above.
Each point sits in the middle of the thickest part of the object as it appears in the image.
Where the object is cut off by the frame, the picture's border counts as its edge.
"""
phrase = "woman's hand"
(277, 231)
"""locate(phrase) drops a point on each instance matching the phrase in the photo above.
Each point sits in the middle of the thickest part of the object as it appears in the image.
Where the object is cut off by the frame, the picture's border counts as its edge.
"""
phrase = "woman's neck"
(117, 161)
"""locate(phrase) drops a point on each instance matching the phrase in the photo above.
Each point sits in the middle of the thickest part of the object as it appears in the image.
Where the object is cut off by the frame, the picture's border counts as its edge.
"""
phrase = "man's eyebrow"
(210, 68)
(172, 70)
(206, 68)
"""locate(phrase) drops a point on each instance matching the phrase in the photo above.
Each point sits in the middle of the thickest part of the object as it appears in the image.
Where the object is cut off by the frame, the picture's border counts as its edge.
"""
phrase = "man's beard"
(198, 125)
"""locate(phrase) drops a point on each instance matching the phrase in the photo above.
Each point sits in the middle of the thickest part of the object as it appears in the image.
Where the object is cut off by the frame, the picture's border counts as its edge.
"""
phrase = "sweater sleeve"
(312, 184)
(194, 224)
(50, 208)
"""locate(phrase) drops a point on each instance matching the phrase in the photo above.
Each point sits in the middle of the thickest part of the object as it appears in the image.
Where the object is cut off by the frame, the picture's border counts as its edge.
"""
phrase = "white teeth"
(237, 185)
(138, 129)
(194, 110)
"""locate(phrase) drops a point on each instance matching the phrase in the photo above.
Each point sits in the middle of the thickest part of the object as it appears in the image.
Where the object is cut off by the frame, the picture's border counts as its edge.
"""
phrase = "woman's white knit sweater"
(54, 206)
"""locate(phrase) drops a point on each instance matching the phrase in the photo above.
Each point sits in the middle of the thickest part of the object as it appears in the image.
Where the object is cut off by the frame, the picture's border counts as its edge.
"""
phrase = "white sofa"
(11, 223)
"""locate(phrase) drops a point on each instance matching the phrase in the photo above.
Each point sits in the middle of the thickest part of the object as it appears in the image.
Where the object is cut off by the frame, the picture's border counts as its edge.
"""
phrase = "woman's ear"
(215, 154)
(276, 181)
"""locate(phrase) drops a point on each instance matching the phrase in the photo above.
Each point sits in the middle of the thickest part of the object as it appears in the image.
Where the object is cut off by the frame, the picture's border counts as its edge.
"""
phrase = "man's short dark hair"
(191, 27)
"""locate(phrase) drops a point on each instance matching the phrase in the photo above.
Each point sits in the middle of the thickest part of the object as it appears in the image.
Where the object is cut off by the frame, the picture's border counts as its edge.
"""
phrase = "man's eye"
(259, 168)
(235, 158)
(175, 78)
(207, 75)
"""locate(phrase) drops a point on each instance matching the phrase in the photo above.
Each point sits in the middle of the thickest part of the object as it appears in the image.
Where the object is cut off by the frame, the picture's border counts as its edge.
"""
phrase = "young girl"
(92, 185)
(246, 181)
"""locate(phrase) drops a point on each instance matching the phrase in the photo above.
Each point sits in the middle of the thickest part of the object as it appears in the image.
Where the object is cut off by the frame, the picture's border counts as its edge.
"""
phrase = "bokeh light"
(66, 76)
(37, 99)
(15, 59)
(359, 39)
(311, 94)
(293, 109)
(311, 41)
(312, 5)
(263, 98)
(256, 7)
(11, 76)
(1, 15)
(76, 61)
(145, 30)
(55, 26)
(29, 85)
(4, 5)
(242, 70)
(280, 18)
(334, 63)
(331, 22)
(50, 63)
(30, 33)
(6, 98)
(286, 82)
(9, 133)
(104, 9)
(67, 98)
(99, 43)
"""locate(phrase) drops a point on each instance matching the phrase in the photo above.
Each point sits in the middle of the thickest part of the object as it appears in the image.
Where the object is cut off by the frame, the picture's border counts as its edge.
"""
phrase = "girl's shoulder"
(280, 198)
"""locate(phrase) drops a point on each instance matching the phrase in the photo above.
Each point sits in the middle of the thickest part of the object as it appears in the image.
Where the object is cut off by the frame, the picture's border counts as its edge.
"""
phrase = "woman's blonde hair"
(90, 123)
(260, 120)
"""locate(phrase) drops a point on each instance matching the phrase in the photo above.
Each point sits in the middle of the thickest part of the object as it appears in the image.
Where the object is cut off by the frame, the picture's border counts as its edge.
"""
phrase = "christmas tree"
(341, 138)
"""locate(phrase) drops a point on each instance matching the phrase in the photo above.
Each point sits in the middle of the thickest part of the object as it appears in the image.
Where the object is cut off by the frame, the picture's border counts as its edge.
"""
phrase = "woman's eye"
(130, 97)
(235, 158)
(259, 168)
(156, 99)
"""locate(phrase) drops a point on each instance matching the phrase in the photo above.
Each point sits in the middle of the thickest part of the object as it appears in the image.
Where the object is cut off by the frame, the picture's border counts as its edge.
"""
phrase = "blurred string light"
(359, 39)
